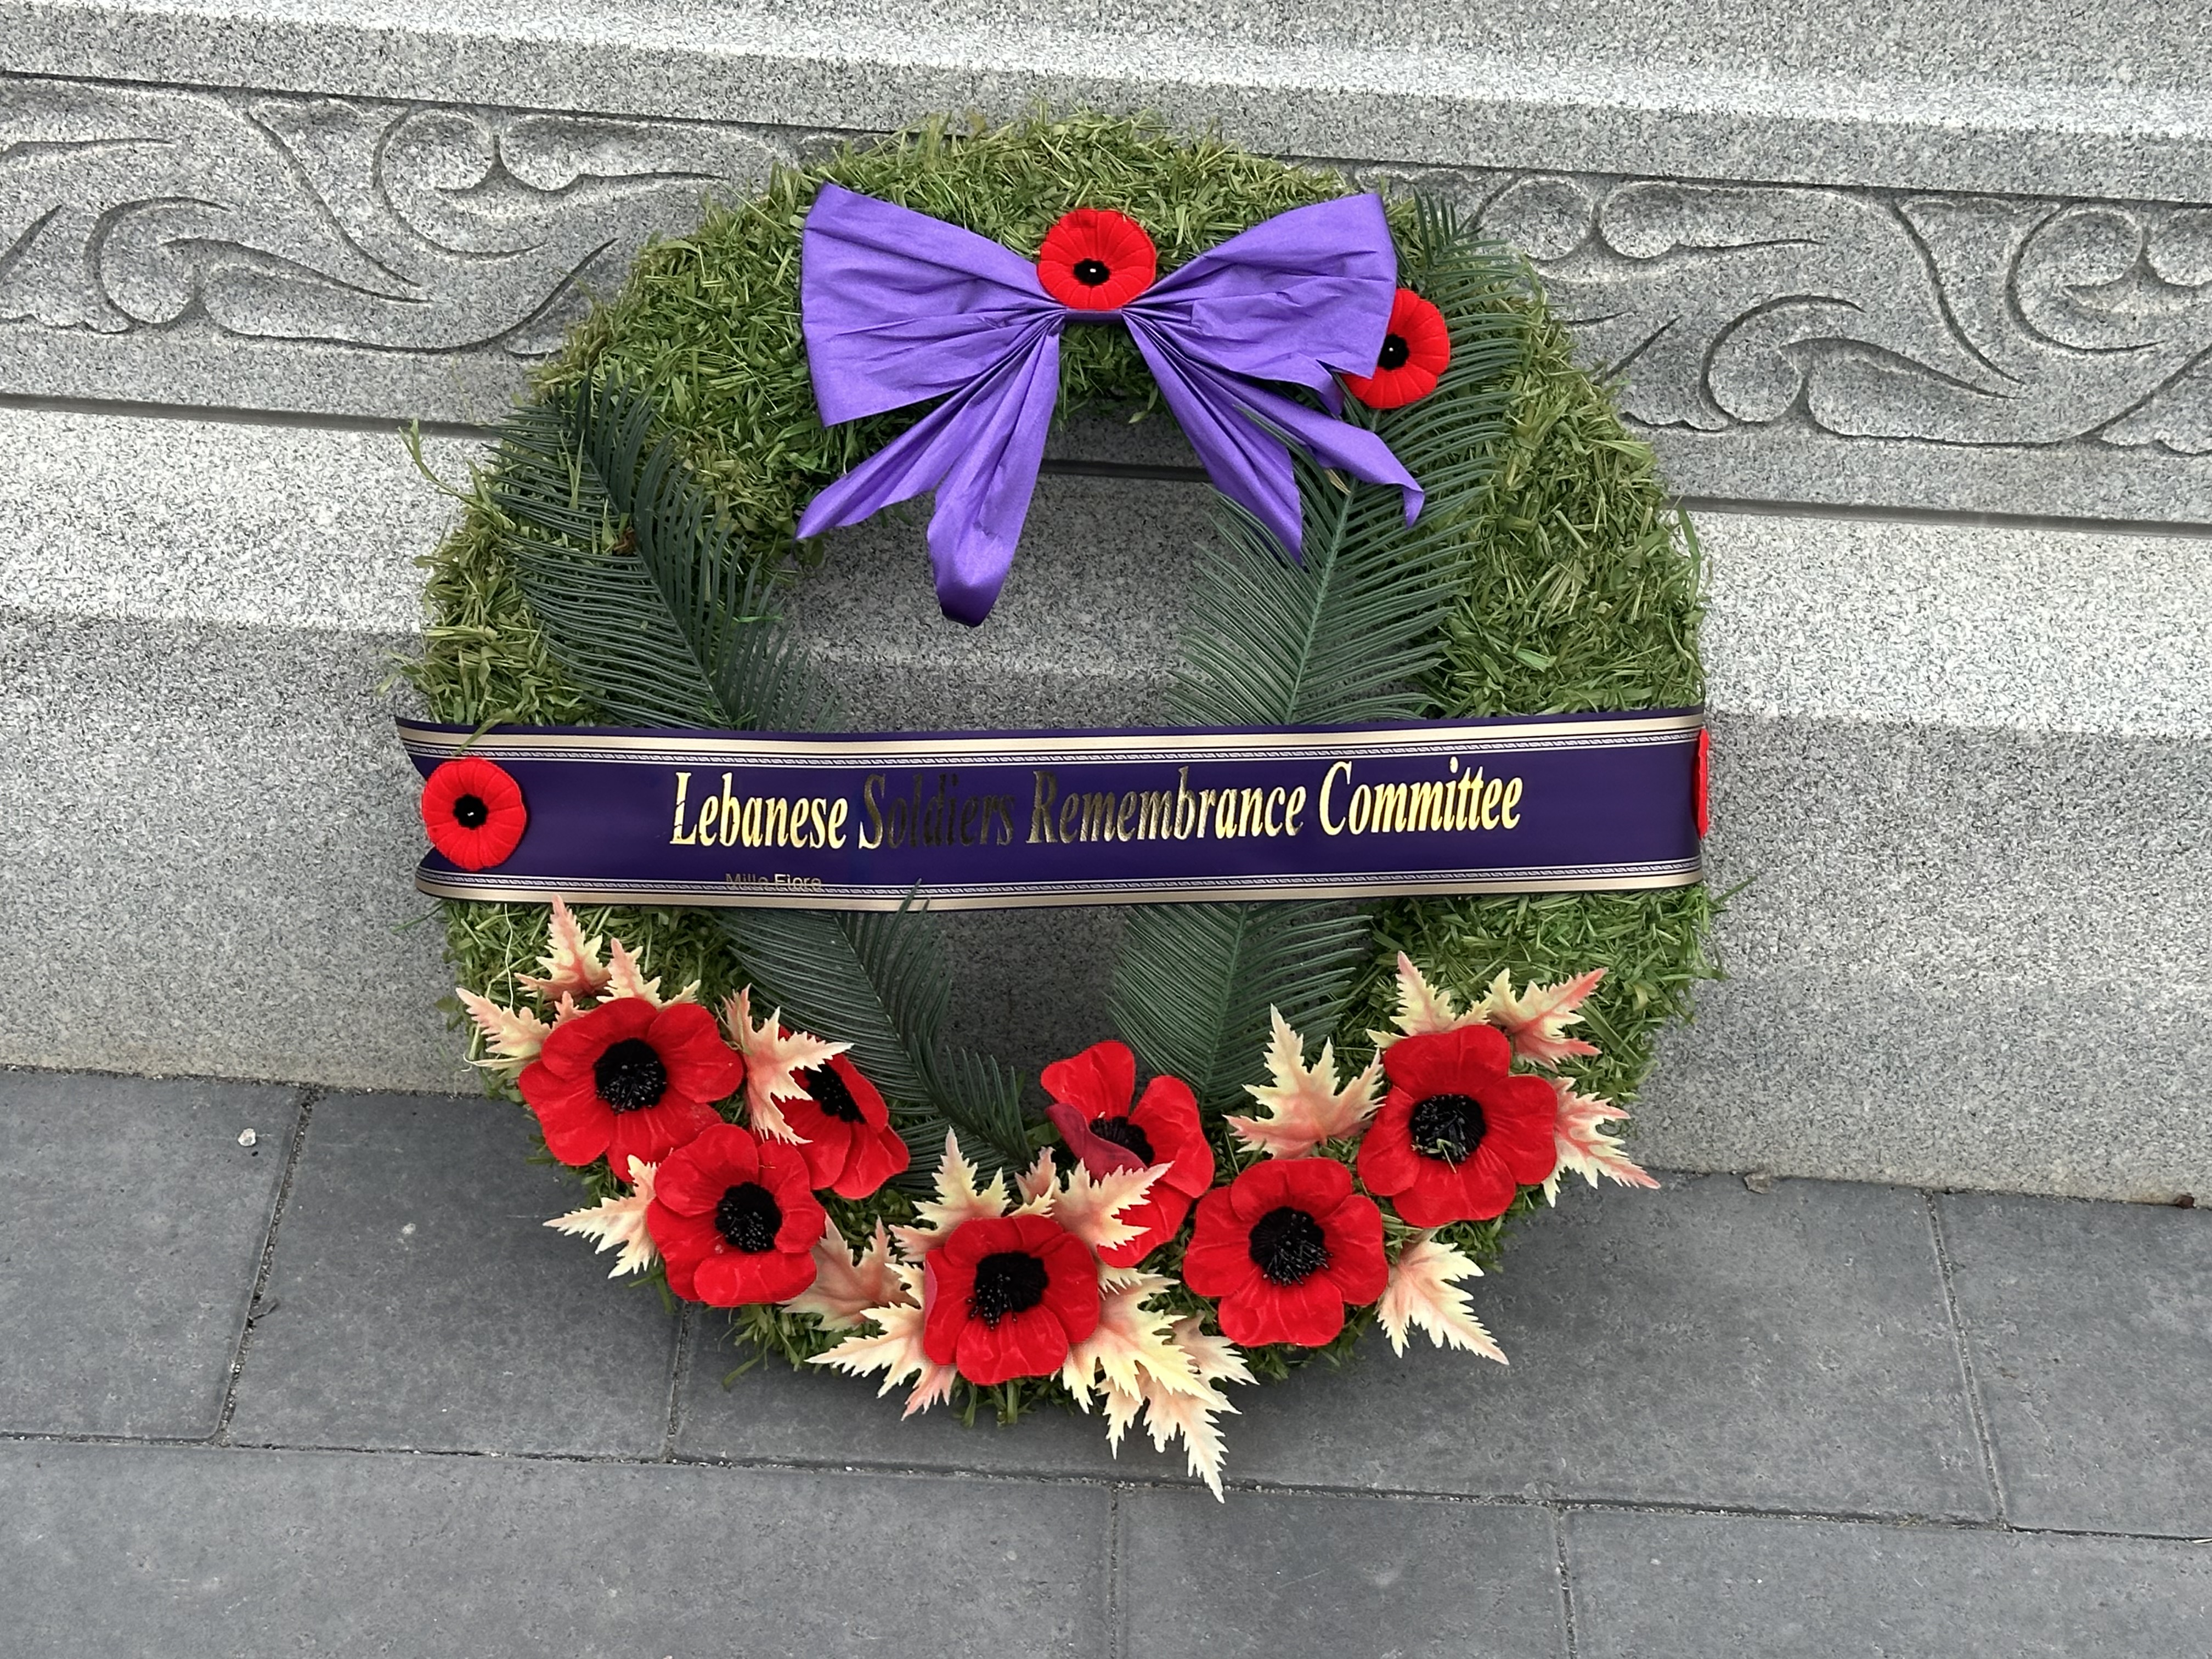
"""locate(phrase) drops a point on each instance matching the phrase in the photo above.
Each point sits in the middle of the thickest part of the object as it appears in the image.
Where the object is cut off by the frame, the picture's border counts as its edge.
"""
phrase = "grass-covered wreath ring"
(788, 1136)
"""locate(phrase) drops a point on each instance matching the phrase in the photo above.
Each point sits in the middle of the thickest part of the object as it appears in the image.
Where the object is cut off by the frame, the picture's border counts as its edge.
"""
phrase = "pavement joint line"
(1566, 1580)
(1965, 1353)
(1559, 1507)
(1114, 1643)
(679, 1377)
(255, 1304)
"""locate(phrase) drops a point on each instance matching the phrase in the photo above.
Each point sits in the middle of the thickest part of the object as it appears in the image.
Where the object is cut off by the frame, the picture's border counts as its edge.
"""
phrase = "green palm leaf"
(1345, 634)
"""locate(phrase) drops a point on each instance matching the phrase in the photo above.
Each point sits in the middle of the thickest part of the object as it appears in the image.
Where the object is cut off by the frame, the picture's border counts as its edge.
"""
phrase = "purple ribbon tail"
(1237, 427)
(979, 450)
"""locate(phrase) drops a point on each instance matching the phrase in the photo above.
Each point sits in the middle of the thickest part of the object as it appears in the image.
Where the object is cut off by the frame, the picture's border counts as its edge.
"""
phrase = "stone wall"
(1918, 314)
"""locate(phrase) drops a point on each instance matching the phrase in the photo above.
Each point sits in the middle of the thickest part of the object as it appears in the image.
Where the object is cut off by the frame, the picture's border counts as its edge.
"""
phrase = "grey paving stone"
(1702, 1345)
(2089, 1328)
(177, 1551)
(128, 1246)
(775, 1414)
(1288, 1577)
(417, 1301)
(1709, 1587)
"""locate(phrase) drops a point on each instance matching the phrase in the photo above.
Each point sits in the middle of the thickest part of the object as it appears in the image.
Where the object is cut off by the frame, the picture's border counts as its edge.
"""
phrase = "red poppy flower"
(1096, 259)
(1091, 1107)
(1704, 777)
(734, 1219)
(1008, 1297)
(1457, 1135)
(1415, 352)
(474, 812)
(1284, 1247)
(630, 1080)
(849, 1144)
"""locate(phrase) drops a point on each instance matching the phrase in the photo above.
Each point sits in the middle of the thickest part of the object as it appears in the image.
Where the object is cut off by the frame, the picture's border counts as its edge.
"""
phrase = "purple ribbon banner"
(988, 820)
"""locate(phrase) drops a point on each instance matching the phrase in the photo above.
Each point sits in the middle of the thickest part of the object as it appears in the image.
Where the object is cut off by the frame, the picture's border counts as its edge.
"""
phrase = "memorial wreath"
(1318, 1112)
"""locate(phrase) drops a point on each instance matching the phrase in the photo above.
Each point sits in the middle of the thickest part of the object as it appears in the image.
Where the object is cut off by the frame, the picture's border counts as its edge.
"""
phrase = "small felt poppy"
(845, 1130)
(734, 1219)
(626, 1079)
(1416, 350)
(1703, 778)
(1458, 1134)
(1007, 1297)
(1090, 1107)
(1096, 260)
(474, 812)
(1284, 1247)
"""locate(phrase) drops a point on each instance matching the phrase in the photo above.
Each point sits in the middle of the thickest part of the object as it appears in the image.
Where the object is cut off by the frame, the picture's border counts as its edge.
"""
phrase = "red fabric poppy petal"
(1114, 241)
(1168, 1114)
(776, 1275)
(874, 1159)
(825, 1143)
(1161, 1217)
(1486, 1186)
(575, 1044)
(1308, 1314)
(1438, 1197)
(1525, 1130)
(865, 1096)
(1219, 1259)
(684, 1242)
(971, 1241)
(1353, 1232)
(1464, 1061)
(1098, 1083)
(480, 846)
(1388, 1162)
(696, 1175)
(691, 1046)
(1093, 1152)
(946, 1286)
(1315, 1185)
(656, 1131)
(576, 1123)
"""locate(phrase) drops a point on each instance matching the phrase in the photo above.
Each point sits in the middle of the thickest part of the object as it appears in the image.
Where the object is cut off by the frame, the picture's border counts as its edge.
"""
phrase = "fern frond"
(655, 609)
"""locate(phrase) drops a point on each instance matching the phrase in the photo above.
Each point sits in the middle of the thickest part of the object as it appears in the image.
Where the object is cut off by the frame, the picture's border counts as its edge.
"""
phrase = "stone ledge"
(1962, 105)
(2029, 346)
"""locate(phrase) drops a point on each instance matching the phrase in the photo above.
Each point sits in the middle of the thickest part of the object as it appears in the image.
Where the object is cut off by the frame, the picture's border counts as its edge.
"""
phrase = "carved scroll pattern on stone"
(1954, 319)
(403, 228)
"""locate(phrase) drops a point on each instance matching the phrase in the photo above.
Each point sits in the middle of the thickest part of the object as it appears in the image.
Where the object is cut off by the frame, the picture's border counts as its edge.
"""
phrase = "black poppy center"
(1091, 273)
(1447, 1127)
(1395, 351)
(831, 1095)
(1287, 1246)
(470, 812)
(1122, 1133)
(1008, 1282)
(748, 1217)
(629, 1075)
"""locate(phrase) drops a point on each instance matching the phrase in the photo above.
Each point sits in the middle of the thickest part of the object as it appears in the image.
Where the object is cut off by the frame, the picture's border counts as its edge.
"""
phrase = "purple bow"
(899, 307)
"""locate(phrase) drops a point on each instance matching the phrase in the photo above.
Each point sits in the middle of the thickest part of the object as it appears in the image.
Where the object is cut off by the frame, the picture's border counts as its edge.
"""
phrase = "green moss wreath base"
(1570, 584)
